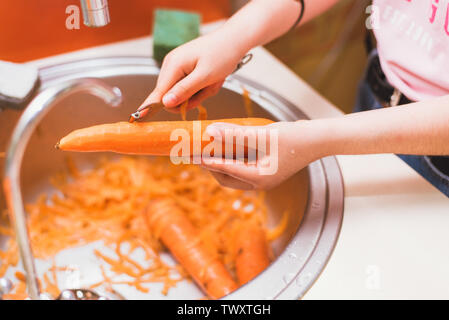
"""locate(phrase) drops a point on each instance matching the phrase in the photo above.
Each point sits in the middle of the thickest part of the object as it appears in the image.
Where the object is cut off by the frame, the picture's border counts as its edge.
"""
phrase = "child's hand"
(297, 146)
(195, 70)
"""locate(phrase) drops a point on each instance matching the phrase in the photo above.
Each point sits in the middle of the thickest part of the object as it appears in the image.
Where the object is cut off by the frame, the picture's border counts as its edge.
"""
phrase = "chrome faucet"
(95, 13)
(33, 114)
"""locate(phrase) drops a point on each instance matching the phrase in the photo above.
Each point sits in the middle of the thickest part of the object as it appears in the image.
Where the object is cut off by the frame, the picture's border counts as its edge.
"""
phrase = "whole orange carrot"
(150, 138)
(178, 234)
(252, 253)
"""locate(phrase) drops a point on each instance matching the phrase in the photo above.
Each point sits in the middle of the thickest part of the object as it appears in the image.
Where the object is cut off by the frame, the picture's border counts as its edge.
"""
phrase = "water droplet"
(79, 294)
(292, 256)
(45, 296)
(302, 280)
(184, 175)
(237, 204)
(5, 286)
(68, 295)
(248, 208)
(288, 277)
(292, 151)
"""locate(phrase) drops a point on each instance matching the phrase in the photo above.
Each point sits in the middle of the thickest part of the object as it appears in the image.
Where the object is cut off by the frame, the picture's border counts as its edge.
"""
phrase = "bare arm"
(262, 21)
(419, 128)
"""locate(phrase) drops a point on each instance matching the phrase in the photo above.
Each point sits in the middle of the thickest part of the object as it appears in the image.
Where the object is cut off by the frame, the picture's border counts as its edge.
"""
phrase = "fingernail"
(169, 99)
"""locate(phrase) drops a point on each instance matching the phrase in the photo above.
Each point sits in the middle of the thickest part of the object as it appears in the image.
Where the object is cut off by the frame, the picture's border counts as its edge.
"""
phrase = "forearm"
(262, 21)
(420, 128)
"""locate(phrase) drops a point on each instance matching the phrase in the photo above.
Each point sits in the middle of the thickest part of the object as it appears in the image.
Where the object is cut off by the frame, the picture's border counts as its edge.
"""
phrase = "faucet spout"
(95, 13)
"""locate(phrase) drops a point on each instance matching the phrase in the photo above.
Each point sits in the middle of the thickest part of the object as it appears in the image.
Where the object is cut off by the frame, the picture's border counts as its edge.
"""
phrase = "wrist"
(319, 136)
(231, 37)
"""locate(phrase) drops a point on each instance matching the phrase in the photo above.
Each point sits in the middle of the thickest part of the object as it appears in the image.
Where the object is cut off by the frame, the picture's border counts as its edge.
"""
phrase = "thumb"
(223, 131)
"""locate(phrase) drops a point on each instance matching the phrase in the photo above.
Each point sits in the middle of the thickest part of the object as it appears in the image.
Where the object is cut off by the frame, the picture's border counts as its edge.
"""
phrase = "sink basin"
(313, 196)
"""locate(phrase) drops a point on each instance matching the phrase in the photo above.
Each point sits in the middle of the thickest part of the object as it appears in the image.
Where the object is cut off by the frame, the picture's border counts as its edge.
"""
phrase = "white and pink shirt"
(413, 44)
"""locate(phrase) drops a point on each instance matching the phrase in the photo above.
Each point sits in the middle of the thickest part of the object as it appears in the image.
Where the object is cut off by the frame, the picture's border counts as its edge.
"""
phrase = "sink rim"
(317, 234)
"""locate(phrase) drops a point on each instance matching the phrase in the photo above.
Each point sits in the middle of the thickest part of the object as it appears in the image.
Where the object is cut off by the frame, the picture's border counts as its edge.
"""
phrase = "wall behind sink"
(32, 29)
(329, 52)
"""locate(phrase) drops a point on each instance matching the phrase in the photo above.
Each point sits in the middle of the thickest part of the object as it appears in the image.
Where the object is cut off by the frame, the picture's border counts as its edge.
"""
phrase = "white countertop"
(395, 235)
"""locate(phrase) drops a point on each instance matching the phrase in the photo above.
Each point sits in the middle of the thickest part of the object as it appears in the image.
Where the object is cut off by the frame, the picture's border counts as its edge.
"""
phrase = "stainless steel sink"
(314, 195)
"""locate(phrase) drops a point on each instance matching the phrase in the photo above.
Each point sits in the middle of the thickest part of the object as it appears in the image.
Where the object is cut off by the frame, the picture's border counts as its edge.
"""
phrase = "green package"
(173, 28)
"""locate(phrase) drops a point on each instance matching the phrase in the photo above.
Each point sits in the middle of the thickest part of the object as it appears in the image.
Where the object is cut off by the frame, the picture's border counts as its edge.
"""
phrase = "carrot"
(247, 102)
(106, 203)
(202, 113)
(20, 276)
(252, 254)
(183, 110)
(150, 138)
(178, 234)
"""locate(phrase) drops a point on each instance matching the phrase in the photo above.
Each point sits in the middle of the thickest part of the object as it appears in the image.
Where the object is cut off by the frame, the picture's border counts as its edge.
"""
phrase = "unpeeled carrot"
(150, 138)
(178, 234)
(252, 253)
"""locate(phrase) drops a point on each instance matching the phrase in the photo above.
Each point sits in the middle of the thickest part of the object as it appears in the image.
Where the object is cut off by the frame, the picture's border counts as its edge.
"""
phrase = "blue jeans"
(433, 169)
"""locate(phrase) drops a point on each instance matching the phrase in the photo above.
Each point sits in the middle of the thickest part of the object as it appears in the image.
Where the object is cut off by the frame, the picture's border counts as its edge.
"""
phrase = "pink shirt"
(413, 44)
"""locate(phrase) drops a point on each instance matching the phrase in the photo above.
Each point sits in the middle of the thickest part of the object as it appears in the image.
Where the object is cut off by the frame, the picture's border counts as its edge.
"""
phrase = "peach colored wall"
(31, 29)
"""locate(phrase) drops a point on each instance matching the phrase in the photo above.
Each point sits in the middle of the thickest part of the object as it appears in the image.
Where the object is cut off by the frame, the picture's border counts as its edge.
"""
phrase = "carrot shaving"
(73, 170)
(18, 292)
(107, 203)
(202, 113)
(247, 102)
(20, 276)
(51, 285)
(183, 110)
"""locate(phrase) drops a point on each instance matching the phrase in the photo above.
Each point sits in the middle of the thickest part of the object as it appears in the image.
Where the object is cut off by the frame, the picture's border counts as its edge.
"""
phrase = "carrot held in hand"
(149, 138)
(252, 253)
(178, 234)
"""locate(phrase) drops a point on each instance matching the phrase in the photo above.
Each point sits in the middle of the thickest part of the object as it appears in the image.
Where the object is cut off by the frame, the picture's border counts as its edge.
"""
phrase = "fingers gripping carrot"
(180, 237)
(252, 253)
(150, 138)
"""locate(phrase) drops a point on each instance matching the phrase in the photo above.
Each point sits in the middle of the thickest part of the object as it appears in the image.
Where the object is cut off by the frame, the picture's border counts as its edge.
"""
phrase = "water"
(292, 256)
(302, 280)
(288, 277)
